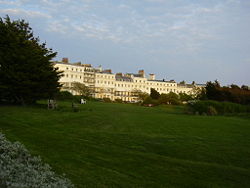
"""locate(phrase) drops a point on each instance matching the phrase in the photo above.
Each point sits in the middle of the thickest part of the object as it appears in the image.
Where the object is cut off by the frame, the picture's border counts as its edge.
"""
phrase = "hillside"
(122, 145)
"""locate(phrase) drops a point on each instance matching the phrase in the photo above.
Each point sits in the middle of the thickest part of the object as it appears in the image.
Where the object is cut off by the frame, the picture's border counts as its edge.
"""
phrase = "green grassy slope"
(118, 145)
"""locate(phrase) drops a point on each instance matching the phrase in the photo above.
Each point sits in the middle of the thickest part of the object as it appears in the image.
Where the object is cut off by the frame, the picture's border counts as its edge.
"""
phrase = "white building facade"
(125, 87)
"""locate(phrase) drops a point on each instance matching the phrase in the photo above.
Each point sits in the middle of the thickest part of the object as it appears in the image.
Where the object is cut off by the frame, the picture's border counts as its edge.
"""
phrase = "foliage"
(26, 71)
(81, 89)
(211, 111)
(183, 82)
(19, 169)
(185, 97)
(64, 95)
(107, 100)
(154, 94)
(141, 95)
(231, 93)
(220, 107)
(118, 100)
(164, 99)
(170, 98)
(150, 100)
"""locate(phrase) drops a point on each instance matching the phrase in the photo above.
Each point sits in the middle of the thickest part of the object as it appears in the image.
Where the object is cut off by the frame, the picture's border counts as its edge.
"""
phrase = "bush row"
(18, 169)
(214, 107)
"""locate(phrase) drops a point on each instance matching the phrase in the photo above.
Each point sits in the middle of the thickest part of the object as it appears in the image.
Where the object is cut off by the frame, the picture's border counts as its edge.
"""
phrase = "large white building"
(105, 84)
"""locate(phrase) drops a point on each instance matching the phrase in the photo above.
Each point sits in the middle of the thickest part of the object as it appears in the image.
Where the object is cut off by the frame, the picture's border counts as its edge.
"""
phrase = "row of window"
(135, 86)
(108, 82)
(79, 69)
(105, 76)
(72, 76)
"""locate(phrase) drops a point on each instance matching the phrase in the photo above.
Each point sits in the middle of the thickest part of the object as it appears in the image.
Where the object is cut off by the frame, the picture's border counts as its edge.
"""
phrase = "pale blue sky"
(188, 40)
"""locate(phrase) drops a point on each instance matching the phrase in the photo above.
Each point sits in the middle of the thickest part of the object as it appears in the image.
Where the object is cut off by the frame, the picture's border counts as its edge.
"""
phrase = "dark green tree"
(26, 71)
(170, 98)
(185, 97)
(244, 87)
(164, 99)
(154, 94)
(213, 91)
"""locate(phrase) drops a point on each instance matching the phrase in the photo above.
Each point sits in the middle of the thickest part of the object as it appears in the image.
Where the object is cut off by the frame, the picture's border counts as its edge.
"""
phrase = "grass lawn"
(123, 145)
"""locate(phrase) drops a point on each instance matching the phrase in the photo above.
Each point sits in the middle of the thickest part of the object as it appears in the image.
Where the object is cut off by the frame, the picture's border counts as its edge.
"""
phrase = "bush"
(18, 169)
(220, 107)
(170, 98)
(118, 100)
(149, 101)
(106, 100)
(64, 95)
(211, 111)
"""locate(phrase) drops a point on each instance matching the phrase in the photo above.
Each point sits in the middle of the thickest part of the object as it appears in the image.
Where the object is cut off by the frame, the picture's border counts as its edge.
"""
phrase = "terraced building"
(106, 84)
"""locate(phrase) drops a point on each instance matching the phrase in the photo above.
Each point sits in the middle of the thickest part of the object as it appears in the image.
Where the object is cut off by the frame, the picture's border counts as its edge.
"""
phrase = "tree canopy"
(81, 89)
(231, 93)
(154, 94)
(26, 71)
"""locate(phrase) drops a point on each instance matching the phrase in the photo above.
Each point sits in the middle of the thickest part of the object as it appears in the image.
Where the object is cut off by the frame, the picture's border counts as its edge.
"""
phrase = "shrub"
(220, 107)
(170, 98)
(154, 94)
(18, 169)
(148, 100)
(118, 100)
(106, 100)
(211, 111)
(64, 95)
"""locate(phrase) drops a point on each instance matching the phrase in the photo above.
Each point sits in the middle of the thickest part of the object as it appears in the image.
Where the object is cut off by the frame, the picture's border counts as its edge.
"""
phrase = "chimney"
(141, 73)
(119, 74)
(65, 60)
(151, 76)
(107, 71)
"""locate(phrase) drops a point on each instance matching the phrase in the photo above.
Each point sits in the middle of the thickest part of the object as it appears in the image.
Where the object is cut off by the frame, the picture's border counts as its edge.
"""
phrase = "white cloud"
(26, 13)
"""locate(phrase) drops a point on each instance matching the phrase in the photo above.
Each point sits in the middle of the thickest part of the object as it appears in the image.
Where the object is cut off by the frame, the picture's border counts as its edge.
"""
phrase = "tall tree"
(154, 94)
(26, 71)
